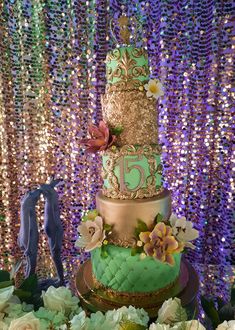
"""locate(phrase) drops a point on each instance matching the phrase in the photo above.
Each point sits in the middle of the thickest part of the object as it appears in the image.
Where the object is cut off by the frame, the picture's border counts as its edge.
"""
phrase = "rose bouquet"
(60, 310)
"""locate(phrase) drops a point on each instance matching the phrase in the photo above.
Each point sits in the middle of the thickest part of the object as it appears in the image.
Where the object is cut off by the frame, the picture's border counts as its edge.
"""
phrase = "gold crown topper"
(125, 24)
(124, 29)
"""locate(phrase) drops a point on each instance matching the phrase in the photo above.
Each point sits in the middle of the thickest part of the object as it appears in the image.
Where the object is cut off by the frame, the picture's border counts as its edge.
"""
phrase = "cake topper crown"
(126, 24)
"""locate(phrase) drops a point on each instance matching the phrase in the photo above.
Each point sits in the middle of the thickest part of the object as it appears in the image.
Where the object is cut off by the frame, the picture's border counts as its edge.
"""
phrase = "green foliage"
(104, 252)
(30, 283)
(141, 227)
(107, 227)
(2, 218)
(227, 312)
(4, 276)
(224, 312)
(181, 314)
(232, 301)
(158, 218)
(22, 294)
(211, 311)
(5, 284)
(136, 250)
(116, 130)
(90, 215)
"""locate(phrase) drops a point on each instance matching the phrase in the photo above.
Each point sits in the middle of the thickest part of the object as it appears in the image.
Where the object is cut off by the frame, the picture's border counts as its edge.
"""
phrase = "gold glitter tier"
(123, 215)
(135, 113)
(131, 172)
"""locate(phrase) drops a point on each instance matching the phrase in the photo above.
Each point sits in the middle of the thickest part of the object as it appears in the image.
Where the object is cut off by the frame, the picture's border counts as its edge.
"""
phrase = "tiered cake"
(134, 240)
(132, 170)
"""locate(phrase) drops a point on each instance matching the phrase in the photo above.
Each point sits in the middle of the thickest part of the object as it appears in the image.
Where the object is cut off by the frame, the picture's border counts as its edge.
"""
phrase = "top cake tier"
(127, 103)
(126, 68)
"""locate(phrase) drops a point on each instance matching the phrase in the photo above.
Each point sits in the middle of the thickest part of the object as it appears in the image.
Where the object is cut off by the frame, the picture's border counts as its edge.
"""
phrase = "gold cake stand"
(96, 297)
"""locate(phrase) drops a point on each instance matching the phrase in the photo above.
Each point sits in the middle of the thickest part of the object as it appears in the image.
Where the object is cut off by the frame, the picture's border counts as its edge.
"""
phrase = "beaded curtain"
(52, 74)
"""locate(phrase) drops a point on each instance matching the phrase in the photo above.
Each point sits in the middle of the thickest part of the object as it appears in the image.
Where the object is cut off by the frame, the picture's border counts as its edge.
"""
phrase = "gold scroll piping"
(130, 150)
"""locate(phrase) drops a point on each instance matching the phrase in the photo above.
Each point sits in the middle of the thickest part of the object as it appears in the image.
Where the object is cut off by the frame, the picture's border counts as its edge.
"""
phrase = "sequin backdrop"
(52, 76)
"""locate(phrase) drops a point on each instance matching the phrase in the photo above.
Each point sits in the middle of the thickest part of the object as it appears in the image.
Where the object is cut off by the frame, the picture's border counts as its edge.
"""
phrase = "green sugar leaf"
(107, 227)
(158, 218)
(210, 310)
(116, 130)
(30, 283)
(22, 294)
(133, 251)
(5, 284)
(142, 226)
(104, 252)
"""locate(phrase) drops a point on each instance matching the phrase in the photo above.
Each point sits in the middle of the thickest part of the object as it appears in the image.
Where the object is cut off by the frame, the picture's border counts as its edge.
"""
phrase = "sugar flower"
(160, 243)
(92, 234)
(171, 312)
(183, 230)
(154, 88)
(60, 300)
(100, 138)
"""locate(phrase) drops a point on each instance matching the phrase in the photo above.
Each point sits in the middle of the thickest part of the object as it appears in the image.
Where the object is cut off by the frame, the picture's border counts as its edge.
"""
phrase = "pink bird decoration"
(100, 138)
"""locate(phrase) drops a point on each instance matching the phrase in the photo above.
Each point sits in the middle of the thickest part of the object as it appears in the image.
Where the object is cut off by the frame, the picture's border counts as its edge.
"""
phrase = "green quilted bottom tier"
(125, 273)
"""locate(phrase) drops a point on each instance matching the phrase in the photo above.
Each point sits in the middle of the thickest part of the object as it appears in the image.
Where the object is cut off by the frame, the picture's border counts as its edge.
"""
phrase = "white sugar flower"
(171, 312)
(183, 230)
(154, 88)
(92, 234)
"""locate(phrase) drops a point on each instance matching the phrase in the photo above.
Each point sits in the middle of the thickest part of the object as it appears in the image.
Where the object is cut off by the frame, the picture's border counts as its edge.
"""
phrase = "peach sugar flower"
(100, 138)
(160, 243)
(92, 234)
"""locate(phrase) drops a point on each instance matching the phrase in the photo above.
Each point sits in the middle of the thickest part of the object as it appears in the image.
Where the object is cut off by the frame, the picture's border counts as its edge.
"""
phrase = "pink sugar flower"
(100, 138)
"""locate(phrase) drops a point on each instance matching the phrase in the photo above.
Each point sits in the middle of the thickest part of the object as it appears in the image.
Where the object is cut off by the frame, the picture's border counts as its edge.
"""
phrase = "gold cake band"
(123, 215)
(128, 85)
(131, 298)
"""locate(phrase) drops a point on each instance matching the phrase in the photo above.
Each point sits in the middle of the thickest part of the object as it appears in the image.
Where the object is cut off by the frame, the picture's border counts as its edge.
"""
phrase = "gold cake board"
(98, 298)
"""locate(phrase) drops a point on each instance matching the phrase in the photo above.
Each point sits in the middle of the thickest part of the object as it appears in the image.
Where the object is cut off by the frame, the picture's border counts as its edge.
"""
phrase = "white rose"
(157, 326)
(60, 300)
(92, 234)
(5, 295)
(226, 325)
(28, 321)
(171, 312)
